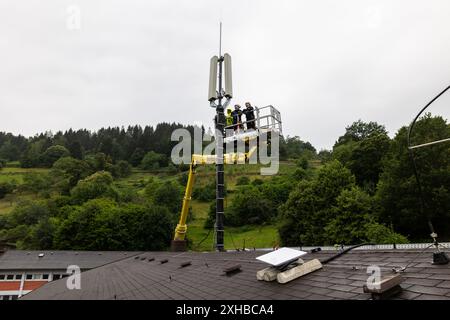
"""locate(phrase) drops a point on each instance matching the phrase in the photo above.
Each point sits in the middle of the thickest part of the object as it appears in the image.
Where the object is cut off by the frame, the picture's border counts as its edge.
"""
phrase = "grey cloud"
(323, 63)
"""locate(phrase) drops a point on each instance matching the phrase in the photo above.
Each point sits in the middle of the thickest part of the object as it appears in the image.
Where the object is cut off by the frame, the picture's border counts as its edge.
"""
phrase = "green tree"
(249, 207)
(31, 157)
(153, 229)
(362, 150)
(66, 172)
(310, 205)
(95, 186)
(76, 150)
(36, 182)
(2, 163)
(360, 130)
(170, 195)
(93, 226)
(153, 160)
(52, 154)
(98, 161)
(5, 188)
(397, 189)
(294, 147)
(352, 212)
(102, 224)
(121, 169)
(136, 157)
(9, 151)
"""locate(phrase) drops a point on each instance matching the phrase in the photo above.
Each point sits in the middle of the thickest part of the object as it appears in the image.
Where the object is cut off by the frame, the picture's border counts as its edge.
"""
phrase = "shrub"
(380, 234)
(97, 185)
(52, 154)
(242, 181)
(5, 188)
(121, 169)
(153, 160)
(249, 206)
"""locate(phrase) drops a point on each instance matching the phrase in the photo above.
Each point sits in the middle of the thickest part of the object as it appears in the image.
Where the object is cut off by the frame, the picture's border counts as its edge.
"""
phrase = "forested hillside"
(116, 189)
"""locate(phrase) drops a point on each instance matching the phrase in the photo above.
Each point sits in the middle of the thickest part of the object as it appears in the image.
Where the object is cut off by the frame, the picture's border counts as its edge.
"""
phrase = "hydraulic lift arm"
(180, 230)
(229, 158)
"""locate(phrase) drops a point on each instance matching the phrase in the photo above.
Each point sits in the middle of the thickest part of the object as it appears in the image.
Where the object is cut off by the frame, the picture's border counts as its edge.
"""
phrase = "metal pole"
(220, 179)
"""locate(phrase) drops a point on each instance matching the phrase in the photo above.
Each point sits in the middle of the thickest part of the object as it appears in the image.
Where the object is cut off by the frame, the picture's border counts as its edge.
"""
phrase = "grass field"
(238, 237)
(13, 173)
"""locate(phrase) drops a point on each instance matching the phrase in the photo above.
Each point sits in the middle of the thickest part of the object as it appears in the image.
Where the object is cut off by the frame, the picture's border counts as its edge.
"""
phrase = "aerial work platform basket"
(268, 120)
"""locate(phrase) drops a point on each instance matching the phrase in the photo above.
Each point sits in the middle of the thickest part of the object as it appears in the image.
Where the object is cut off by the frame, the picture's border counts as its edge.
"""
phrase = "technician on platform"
(249, 116)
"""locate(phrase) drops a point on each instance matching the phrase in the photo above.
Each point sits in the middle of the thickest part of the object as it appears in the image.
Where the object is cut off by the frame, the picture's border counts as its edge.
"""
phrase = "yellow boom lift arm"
(228, 158)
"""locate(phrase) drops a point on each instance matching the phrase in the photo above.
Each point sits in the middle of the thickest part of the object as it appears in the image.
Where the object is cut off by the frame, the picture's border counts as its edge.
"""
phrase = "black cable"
(345, 251)
(206, 237)
(231, 236)
(412, 260)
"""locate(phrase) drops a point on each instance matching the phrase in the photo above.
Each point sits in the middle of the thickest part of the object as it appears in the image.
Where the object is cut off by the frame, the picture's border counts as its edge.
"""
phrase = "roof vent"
(143, 258)
(185, 264)
(40, 255)
(137, 257)
(151, 259)
(232, 270)
(164, 261)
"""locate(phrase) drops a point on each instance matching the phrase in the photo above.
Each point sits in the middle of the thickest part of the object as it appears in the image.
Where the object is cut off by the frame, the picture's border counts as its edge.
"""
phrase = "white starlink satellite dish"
(281, 256)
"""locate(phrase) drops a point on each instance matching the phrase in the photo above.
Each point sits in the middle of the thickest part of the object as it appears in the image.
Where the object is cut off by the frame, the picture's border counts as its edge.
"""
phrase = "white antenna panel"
(212, 92)
(228, 76)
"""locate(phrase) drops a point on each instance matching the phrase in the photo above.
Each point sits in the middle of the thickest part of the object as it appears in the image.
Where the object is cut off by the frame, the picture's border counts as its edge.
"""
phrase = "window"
(2, 277)
(29, 276)
(10, 277)
(45, 276)
(14, 297)
(18, 277)
(5, 298)
(37, 276)
(56, 276)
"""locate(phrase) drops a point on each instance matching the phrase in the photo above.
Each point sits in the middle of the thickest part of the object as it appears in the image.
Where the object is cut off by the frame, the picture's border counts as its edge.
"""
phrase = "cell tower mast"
(218, 93)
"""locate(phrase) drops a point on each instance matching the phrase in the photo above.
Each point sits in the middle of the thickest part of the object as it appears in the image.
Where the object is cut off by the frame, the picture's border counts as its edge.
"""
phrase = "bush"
(242, 181)
(121, 169)
(168, 194)
(257, 182)
(66, 172)
(353, 211)
(52, 154)
(309, 206)
(5, 188)
(102, 224)
(153, 160)
(302, 163)
(97, 185)
(3, 163)
(299, 174)
(380, 234)
(211, 219)
(249, 206)
(206, 192)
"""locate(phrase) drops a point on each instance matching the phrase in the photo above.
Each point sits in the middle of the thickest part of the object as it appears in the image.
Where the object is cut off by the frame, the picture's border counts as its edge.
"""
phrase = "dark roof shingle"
(341, 278)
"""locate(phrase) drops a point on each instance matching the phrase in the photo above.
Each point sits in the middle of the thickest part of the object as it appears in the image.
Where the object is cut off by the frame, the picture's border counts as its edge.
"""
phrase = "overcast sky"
(323, 64)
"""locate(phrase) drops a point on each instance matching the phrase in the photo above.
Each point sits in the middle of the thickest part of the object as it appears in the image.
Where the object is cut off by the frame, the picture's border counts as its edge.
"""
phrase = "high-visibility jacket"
(229, 120)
